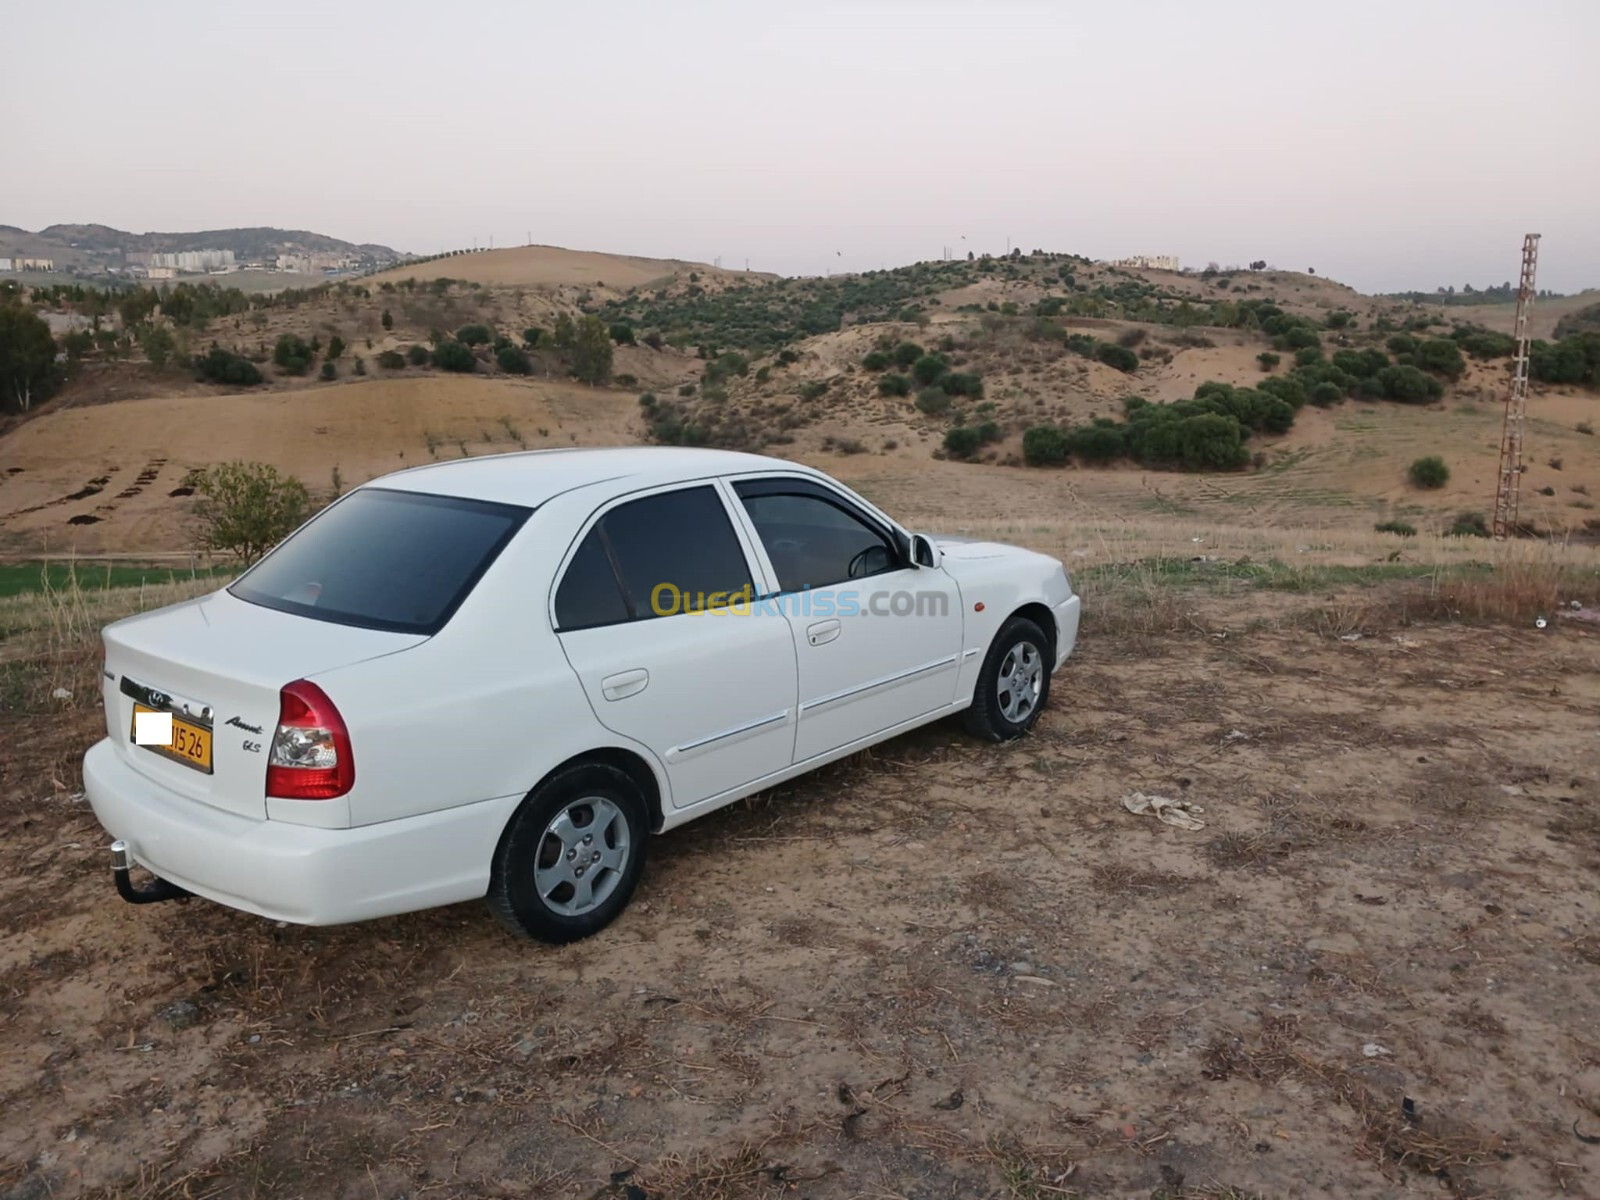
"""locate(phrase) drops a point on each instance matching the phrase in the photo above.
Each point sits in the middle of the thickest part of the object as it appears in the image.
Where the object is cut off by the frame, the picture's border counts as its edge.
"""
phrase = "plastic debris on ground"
(1182, 814)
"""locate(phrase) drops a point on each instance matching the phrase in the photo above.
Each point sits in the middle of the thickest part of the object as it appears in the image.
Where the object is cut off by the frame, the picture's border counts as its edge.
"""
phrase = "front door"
(877, 640)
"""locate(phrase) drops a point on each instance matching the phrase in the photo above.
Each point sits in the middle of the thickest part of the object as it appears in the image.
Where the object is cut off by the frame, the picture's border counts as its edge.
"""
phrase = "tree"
(591, 351)
(961, 442)
(392, 360)
(418, 355)
(451, 355)
(928, 369)
(475, 335)
(388, 319)
(622, 334)
(907, 353)
(1442, 357)
(1044, 446)
(292, 355)
(224, 366)
(532, 336)
(564, 333)
(514, 361)
(246, 508)
(1267, 359)
(330, 370)
(158, 343)
(335, 347)
(1429, 472)
(28, 371)
(1120, 357)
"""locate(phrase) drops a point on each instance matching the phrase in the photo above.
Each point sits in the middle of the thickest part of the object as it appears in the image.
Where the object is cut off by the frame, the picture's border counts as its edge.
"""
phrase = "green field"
(17, 579)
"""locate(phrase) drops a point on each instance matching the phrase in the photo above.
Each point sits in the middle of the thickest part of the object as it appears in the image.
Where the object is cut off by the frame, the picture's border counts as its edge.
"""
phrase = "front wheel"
(1014, 684)
(569, 860)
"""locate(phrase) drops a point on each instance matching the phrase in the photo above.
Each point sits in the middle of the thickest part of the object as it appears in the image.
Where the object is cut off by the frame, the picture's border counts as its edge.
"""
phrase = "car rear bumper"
(296, 873)
(1066, 627)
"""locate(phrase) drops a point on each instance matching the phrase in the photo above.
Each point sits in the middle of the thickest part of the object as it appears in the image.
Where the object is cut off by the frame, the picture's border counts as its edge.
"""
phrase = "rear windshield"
(384, 559)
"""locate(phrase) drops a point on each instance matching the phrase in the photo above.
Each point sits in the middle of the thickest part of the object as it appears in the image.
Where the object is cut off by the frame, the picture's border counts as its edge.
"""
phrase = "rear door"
(877, 640)
(652, 608)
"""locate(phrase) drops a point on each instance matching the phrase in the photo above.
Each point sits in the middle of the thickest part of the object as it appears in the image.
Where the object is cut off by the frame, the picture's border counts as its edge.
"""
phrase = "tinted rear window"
(384, 560)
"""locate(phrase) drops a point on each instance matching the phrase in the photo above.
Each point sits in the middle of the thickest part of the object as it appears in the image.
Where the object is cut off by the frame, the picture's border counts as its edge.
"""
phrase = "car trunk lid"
(216, 665)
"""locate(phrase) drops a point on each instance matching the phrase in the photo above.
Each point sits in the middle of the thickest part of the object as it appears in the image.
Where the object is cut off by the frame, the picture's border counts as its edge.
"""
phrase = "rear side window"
(382, 559)
(668, 553)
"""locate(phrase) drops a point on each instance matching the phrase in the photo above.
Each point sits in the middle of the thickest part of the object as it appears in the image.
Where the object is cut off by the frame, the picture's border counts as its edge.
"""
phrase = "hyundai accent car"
(497, 678)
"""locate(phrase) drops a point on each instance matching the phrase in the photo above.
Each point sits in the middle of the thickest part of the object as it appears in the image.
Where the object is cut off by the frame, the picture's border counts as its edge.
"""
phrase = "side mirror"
(924, 553)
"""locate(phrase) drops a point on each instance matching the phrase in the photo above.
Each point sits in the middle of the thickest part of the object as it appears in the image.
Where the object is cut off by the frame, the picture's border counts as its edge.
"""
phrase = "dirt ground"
(938, 969)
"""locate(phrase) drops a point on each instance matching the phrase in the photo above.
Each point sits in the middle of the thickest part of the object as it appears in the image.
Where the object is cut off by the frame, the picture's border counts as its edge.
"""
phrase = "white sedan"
(496, 678)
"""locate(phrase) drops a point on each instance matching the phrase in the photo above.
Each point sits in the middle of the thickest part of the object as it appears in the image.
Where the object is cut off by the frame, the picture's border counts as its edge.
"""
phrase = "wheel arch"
(629, 762)
(1041, 616)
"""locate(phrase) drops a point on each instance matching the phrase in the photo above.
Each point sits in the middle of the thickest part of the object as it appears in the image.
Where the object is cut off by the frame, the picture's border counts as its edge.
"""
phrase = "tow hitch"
(156, 891)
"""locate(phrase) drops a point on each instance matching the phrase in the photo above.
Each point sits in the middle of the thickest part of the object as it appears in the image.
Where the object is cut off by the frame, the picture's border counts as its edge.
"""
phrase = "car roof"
(532, 477)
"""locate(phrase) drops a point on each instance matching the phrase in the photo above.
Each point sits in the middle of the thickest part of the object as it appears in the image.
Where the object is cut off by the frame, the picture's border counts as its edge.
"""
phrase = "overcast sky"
(1398, 144)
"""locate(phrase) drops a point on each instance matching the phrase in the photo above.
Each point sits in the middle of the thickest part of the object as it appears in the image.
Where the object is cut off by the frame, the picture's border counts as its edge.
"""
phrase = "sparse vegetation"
(514, 361)
(292, 354)
(1429, 472)
(392, 360)
(1401, 528)
(244, 508)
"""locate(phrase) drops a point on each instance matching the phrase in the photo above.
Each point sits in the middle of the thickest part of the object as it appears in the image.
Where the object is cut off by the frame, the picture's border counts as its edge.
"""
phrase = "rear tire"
(571, 856)
(1014, 684)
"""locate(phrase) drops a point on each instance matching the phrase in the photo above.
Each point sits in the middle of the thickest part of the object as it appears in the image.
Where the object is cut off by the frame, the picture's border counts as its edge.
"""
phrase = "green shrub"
(1402, 343)
(928, 369)
(1308, 356)
(1268, 360)
(1442, 357)
(224, 366)
(475, 335)
(814, 390)
(292, 355)
(244, 509)
(1399, 527)
(961, 442)
(514, 361)
(877, 361)
(1429, 472)
(392, 360)
(969, 384)
(329, 371)
(1468, 524)
(1407, 385)
(1325, 395)
(1485, 343)
(894, 385)
(1044, 446)
(1574, 359)
(786, 357)
(417, 355)
(335, 346)
(1301, 337)
(1363, 364)
(933, 401)
(451, 355)
(907, 353)
(1050, 306)
(1102, 442)
(622, 334)
(1286, 388)
(360, 367)
(388, 319)
(1120, 357)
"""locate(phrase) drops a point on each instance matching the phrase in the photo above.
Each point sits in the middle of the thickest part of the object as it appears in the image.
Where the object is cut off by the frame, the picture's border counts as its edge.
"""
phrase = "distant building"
(194, 262)
(5, 264)
(161, 272)
(1149, 262)
(33, 264)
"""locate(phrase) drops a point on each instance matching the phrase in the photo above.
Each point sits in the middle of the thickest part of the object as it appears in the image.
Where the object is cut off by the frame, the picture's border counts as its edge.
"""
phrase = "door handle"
(624, 684)
(822, 632)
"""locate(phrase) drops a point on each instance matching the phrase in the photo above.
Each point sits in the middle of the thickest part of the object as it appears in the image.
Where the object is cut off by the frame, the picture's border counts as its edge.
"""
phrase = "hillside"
(927, 386)
(552, 266)
(93, 249)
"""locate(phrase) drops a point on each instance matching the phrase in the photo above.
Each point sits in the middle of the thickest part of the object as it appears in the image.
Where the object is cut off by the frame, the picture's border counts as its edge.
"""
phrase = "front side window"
(658, 556)
(814, 542)
(384, 559)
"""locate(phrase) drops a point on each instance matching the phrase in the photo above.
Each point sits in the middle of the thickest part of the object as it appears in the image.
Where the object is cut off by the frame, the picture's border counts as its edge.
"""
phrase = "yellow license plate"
(191, 745)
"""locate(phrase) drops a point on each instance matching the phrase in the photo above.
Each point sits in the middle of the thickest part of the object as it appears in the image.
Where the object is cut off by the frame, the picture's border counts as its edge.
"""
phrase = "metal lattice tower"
(1508, 489)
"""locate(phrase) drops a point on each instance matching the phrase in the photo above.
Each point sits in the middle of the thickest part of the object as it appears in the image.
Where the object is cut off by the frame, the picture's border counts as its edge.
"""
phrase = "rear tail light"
(311, 757)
